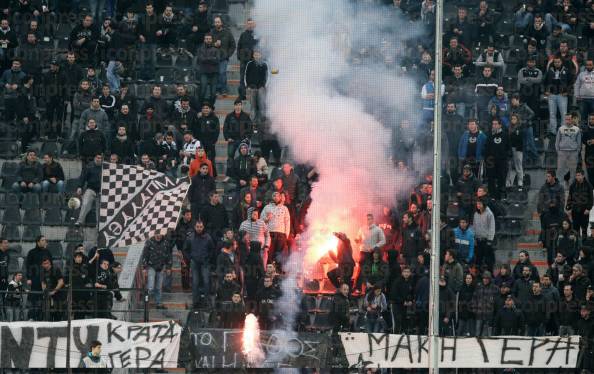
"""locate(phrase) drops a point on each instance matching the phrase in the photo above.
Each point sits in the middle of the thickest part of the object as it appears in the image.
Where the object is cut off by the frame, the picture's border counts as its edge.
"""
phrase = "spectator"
(560, 270)
(483, 304)
(93, 358)
(447, 307)
(214, 215)
(523, 286)
(579, 282)
(412, 240)
(485, 88)
(90, 181)
(552, 298)
(340, 312)
(537, 31)
(226, 288)
(9, 41)
(551, 194)
(568, 145)
(156, 260)
(33, 269)
(53, 82)
(484, 227)
(456, 54)
(501, 102)
(243, 167)
(207, 130)
(223, 40)
(83, 40)
(199, 248)
(453, 271)
(557, 82)
(497, 149)
(184, 228)
(579, 203)
(125, 97)
(254, 230)
(267, 298)
(428, 95)
(11, 80)
(462, 27)
(82, 99)
(558, 36)
(471, 148)
(52, 283)
(584, 89)
(106, 284)
(530, 78)
(200, 159)
(29, 175)
(201, 187)
(209, 61)
(107, 101)
(566, 240)
(255, 191)
(245, 49)
(587, 153)
(123, 146)
(491, 56)
(146, 162)
(53, 174)
(187, 151)
(4, 262)
(237, 128)
(568, 312)
(466, 318)
(27, 119)
(504, 276)
(96, 113)
(509, 320)
(256, 76)
(79, 278)
(516, 143)
(485, 21)
(535, 312)
(524, 261)
(14, 298)
(277, 217)
(167, 29)
(201, 24)
(457, 94)
(375, 306)
(464, 239)
(158, 103)
(184, 115)
(227, 262)
(375, 271)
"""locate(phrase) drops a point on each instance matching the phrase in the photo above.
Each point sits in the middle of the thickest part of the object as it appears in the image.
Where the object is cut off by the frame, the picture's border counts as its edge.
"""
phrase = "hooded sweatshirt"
(584, 85)
(464, 240)
(484, 224)
(569, 139)
(197, 161)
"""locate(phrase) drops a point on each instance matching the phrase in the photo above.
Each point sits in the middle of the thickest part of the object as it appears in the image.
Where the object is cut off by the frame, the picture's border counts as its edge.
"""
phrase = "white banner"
(412, 351)
(124, 344)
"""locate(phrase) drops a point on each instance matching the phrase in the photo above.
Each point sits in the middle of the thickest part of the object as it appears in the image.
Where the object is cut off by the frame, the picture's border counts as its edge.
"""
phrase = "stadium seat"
(515, 210)
(11, 200)
(31, 232)
(7, 183)
(50, 147)
(71, 216)
(32, 216)
(74, 234)
(11, 216)
(517, 195)
(30, 201)
(55, 249)
(12, 233)
(8, 149)
(9, 169)
(452, 213)
(71, 186)
(51, 200)
(512, 227)
(53, 217)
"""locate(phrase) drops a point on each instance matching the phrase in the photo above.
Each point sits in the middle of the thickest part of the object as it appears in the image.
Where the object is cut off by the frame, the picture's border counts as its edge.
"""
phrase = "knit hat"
(244, 144)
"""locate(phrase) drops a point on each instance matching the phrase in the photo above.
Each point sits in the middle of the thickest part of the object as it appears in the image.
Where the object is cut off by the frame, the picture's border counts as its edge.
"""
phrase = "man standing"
(369, 238)
(33, 265)
(464, 239)
(90, 180)
(201, 187)
(256, 75)
(412, 239)
(471, 147)
(209, 59)
(245, 48)
(277, 217)
(225, 42)
(4, 260)
(184, 228)
(255, 232)
(238, 127)
(568, 145)
(214, 216)
(200, 249)
(584, 89)
(156, 259)
(579, 203)
(207, 130)
(557, 83)
(496, 158)
(588, 148)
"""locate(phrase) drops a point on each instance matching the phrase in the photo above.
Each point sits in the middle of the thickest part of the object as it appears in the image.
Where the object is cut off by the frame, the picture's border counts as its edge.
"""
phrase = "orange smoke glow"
(251, 341)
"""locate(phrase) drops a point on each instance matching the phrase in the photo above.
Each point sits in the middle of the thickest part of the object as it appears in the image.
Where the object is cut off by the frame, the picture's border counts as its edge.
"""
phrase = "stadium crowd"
(518, 95)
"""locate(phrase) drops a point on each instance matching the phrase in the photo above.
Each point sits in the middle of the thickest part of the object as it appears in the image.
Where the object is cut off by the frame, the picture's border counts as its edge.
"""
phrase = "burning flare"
(251, 341)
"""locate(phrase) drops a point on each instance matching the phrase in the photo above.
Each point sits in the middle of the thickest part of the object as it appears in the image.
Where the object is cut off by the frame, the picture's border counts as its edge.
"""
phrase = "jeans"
(586, 108)
(537, 330)
(515, 168)
(374, 324)
(208, 83)
(567, 162)
(200, 280)
(46, 185)
(466, 327)
(112, 77)
(482, 328)
(222, 80)
(257, 100)
(155, 283)
(16, 187)
(556, 103)
(529, 144)
(85, 207)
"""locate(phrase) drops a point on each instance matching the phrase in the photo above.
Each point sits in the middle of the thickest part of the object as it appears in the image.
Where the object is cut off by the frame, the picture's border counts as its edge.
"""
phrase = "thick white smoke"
(335, 112)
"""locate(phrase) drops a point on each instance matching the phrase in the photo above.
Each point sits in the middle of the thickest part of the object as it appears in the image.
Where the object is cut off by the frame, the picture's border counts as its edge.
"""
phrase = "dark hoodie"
(550, 194)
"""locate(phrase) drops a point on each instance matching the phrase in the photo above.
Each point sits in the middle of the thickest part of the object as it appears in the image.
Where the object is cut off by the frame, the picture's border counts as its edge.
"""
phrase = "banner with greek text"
(124, 344)
(412, 351)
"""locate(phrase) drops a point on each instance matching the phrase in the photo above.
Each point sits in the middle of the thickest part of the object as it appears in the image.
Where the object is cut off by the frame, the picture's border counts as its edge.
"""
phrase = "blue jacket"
(480, 147)
(464, 244)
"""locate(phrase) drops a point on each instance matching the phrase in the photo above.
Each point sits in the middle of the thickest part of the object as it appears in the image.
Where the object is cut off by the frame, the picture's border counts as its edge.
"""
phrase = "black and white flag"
(136, 203)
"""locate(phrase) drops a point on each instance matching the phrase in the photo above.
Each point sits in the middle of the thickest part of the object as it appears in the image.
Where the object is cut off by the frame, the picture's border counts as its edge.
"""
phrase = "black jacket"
(215, 218)
(245, 46)
(557, 81)
(535, 310)
(256, 74)
(91, 142)
(497, 147)
(207, 129)
(30, 172)
(90, 177)
(580, 197)
(33, 266)
(243, 168)
(199, 248)
(53, 170)
(509, 321)
(157, 254)
(199, 189)
(209, 58)
(238, 127)
(412, 241)
(124, 148)
(340, 312)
